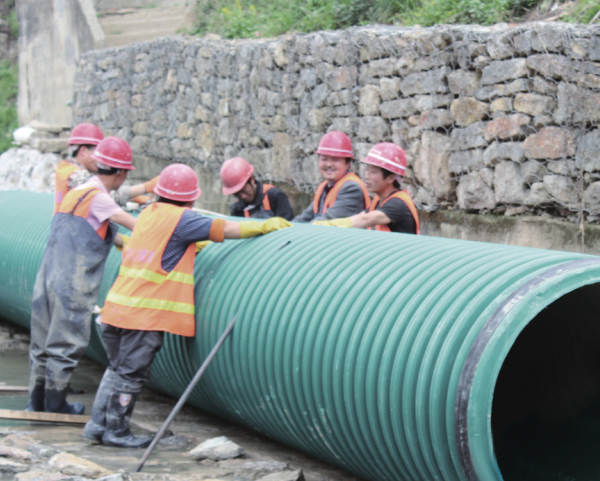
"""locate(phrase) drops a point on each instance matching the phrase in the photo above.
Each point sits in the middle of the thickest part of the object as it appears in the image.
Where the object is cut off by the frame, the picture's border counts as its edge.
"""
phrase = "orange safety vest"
(62, 173)
(266, 202)
(333, 193)
(145, 296)
(404, 196)
(78, 202)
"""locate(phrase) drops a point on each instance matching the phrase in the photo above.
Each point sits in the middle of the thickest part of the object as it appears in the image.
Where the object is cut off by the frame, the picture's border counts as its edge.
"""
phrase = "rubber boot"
(94, 428)
(55, 401)
(118, 413)
(36, 398)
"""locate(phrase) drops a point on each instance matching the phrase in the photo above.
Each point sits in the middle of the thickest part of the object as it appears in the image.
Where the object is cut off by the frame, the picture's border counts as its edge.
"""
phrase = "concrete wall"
(52, 36)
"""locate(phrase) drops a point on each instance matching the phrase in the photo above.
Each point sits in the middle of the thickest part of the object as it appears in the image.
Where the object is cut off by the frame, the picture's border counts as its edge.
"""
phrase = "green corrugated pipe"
(389, 355)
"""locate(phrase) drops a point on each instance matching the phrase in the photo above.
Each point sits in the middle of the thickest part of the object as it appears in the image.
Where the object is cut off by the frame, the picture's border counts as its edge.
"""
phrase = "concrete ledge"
(89, 12)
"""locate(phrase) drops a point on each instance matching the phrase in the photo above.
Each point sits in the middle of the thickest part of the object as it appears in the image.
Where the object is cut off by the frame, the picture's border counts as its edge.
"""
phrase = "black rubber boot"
(94, 428)
(36, 398)
(56, 402)
(118, 414)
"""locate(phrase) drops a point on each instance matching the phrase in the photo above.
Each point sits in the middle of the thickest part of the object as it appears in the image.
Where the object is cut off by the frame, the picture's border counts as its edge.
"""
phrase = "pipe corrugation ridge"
(350, 345)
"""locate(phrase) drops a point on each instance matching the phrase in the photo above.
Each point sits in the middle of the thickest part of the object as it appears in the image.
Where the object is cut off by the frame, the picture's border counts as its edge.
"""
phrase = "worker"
(255, 199)
(342, 193)
(80, 166)
(154, 294)
(67, 284)
(392, 209)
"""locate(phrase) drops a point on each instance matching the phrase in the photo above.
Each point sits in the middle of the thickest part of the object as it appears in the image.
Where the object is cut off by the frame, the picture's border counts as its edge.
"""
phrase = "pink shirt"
(102, 206)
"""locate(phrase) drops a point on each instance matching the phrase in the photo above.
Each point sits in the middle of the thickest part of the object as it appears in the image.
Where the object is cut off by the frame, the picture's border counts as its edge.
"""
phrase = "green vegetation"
(8, 100)
(268, 18)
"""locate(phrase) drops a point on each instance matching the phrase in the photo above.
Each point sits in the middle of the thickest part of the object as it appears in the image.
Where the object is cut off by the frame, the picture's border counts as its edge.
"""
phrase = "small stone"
(8, 466)
(467, 111)
(369, 101)
(507, 127)
(73, 465)
(534, 104)
(217, 449)
(284, 476)
(550, 143)
(14, 452)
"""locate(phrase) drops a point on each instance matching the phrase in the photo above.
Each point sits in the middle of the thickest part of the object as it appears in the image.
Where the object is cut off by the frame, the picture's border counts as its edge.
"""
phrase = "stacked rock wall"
(499, 119)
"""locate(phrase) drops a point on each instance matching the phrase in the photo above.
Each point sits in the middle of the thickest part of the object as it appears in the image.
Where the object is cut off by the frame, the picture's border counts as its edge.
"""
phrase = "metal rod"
(185, 396)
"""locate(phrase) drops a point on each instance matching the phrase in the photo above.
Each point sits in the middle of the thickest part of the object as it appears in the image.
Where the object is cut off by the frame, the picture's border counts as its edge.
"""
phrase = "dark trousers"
(130, 355)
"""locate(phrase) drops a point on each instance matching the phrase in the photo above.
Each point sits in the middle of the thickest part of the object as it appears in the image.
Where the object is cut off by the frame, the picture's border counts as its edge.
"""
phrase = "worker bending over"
(80, 165)
(154, 294)
(255, 199)
(343, 193)
(392, 209)
(67, 284)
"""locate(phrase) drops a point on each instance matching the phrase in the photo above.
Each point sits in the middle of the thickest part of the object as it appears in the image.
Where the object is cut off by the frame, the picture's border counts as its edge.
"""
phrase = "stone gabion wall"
(499, 119)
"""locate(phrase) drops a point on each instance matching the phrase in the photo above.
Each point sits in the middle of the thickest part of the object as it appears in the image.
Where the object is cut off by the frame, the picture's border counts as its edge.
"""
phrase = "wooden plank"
(48, 417)
(13, 388)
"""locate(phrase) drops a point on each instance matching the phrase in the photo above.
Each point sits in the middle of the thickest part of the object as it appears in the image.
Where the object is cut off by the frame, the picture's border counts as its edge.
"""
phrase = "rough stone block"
(284, 476)
(463, 83)
(490, 92)
(591, 197)
(434, 119)
(50, 145)
(474, 194)
(465, 161)
(534, 104)
(431, 166)
(469, 138)
(372, 129)
(431, 82)
(318, 119)
(562, 189)
(8, 466)
(217, 449)
(500, 47)
(467, 110)
(369, 100)
(552, 66)
(389, 88)
(576, 104)
(171, 81)
(537, 195)
(504, 70)
(511, 127)
(381, 68)
(508, 183)
(503, 151)
(429, 102)
(562, 167)
(342, 78)
(533, 171)
(503, 104)
(395, 109)
(589, 151)
(594, 48)
(545, 87)
(340, 97)
(550, 143)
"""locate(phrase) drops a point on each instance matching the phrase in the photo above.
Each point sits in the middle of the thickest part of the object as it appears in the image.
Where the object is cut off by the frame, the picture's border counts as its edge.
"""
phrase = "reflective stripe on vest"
(144, 295)
(333, 193)
(266, 202)
(78, 202)
(62, 173)
(404, 196)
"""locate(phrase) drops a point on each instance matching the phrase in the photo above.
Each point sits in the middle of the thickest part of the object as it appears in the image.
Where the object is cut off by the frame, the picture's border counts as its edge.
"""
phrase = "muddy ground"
(170, 460)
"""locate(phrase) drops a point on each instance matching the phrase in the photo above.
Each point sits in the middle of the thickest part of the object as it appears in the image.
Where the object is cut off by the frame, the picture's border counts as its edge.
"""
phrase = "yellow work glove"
(201, 245)
(345, 222)
(149, 185)
(125, 241)
(254, 228)
(142, 199)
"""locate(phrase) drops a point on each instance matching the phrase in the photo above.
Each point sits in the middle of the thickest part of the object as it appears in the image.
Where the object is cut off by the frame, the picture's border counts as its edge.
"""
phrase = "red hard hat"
(388, 156)
(234, 174)
(114, 152)
(335, 144)
(178, 182)
(86, 134)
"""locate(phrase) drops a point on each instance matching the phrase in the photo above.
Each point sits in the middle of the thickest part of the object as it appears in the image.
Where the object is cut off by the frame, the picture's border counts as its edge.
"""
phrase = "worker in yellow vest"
(392, 209)
(342, 193)
(68, 281)
(154, 294)
(255, 199)
(80, 165)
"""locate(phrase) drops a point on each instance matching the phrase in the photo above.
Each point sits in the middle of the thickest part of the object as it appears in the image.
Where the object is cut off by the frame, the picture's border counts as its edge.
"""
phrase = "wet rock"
(18, 441)
(174, 440)
(14, 452)
(252, 470)
(284, 476)
(8, 466)
(474, 194)
(550, 143)
(217, 449)
(73, 465)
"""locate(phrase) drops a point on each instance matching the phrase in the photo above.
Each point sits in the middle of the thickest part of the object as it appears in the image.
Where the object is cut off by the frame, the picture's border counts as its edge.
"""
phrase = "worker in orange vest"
(255, 199)
(392, 209)
(154, 294)
(342, 193)
(68, 281)
(80, 165)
